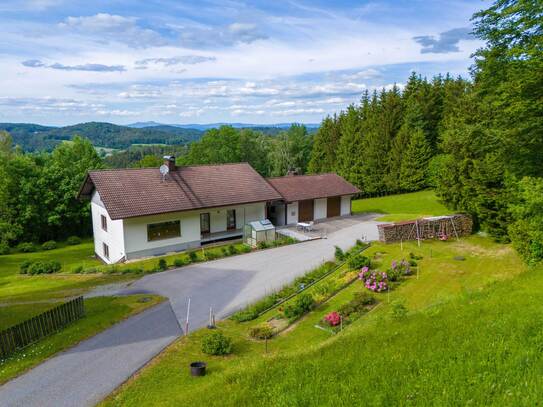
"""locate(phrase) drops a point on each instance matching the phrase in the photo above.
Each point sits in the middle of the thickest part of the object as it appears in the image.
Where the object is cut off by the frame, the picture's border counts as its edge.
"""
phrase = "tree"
(324, 152)
(290, 150)
(414, 165)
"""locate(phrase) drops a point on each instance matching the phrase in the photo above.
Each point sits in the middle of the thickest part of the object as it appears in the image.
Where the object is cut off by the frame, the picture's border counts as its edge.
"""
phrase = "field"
(101, 313)
(402, 207)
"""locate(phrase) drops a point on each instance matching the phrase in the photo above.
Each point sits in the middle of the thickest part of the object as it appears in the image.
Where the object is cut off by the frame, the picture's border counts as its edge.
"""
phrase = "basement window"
(163, 230)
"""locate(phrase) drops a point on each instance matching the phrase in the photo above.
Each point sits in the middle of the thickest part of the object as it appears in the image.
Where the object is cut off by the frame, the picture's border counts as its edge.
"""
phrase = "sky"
(121, 61)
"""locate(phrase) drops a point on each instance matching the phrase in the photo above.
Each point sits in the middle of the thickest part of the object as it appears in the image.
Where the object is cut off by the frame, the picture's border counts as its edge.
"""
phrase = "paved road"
(88, 372)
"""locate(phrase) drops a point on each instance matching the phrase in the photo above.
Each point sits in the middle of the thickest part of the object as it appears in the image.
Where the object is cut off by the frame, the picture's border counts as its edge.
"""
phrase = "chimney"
(169, 160)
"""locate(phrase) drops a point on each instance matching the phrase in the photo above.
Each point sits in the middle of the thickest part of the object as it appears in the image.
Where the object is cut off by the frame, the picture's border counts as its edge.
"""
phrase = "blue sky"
(64, 62)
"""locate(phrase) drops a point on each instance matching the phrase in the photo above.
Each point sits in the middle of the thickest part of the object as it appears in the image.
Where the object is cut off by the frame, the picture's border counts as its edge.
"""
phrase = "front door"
(204, 223)
(305, 210)
(333, 207)
(230, 219)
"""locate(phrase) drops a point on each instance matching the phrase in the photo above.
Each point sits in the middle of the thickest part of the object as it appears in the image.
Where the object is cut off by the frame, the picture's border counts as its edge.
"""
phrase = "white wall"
(292, 213)
(346, 205)
(319, 208)
(135, 229)
(113, 237)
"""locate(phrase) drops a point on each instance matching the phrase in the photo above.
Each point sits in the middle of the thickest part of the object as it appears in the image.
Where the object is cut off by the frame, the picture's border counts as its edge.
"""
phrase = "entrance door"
(305, 210)
(204, 223)
(230, 219)
(333, 207)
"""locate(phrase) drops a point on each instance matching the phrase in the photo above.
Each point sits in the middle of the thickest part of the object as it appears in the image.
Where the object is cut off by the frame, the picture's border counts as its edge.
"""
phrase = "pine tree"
(326, 142)
(414, 167)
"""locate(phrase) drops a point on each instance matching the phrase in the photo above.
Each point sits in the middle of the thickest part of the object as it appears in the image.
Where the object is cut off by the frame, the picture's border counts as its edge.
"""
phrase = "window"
(164, 230)
(104, 223)
(230, 219)
(105, 248)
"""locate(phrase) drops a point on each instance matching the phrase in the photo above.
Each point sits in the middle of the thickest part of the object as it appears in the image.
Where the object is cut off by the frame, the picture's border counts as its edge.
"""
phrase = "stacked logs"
(439, 227)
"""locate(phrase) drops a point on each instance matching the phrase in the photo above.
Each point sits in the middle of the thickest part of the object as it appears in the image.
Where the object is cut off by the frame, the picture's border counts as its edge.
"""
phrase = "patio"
(326, 227)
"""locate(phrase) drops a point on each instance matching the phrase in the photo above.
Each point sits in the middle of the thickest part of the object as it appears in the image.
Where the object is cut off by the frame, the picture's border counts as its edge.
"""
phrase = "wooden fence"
(34, 329)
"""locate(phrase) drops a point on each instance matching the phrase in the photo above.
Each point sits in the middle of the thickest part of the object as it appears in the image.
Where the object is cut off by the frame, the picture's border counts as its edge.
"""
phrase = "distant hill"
(216, 125)
(33, 137)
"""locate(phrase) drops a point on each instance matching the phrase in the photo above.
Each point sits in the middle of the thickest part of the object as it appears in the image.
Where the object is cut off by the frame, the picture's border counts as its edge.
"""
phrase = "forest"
(477, 141)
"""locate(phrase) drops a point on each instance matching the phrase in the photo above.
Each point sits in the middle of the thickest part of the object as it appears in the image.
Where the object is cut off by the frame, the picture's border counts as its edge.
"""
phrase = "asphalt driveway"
(88, 372)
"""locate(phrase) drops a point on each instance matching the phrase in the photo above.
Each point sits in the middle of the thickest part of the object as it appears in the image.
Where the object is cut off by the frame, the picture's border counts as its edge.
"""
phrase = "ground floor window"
(105, 249)
(230, 219)
(163, 230)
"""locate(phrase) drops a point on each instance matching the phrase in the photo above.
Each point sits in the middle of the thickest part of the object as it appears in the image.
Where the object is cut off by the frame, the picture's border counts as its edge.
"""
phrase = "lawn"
(101, 313)
(402, 207)
(472, 335)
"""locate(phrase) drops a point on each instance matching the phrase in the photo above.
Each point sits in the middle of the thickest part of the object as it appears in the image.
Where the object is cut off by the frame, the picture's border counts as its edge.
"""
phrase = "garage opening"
(305, 210)
(333, 207)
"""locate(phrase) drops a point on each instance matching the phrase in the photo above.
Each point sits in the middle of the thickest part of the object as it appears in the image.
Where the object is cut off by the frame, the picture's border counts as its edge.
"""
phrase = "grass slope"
(402, 207)
(472, 336)
(101, 313)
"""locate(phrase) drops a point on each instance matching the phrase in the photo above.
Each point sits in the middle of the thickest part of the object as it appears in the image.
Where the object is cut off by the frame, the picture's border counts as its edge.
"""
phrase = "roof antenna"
(164, 170)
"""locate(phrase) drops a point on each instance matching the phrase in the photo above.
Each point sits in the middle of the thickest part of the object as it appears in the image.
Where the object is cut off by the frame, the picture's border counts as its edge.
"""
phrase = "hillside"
(33, 137)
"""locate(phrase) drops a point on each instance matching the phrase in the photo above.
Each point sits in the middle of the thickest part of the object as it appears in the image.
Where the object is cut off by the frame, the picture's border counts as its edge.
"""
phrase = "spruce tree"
(414, 167)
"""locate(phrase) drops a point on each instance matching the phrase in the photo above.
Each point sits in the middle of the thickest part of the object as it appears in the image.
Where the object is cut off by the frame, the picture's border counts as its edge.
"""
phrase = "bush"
(210, 255)
(193, 256)
(49, 245)
(339, 254)
(357, 261)
(162, 264)
(262, 331)
(398, 310)
(180, 262)
(245, 315)
(224, 251)
(23, 268)
(413, 256)
(216, 343)
(374, 280)
(4, 248)
(78, 270)
(26, 247)
(245, 248)
(232, 250)
(73, 240)
(333, 318)
(44, 267)
(262, 245)
(304, 303)
(361, 300)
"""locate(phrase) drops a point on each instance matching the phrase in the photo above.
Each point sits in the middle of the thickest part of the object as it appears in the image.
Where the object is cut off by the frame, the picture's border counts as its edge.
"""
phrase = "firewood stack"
(438, 227)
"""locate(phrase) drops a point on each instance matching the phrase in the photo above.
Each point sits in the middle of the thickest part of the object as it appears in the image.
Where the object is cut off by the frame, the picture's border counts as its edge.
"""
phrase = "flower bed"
(336, 320)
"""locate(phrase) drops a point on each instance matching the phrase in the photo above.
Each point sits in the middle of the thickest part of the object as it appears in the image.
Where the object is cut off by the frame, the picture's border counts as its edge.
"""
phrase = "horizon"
(65, 63)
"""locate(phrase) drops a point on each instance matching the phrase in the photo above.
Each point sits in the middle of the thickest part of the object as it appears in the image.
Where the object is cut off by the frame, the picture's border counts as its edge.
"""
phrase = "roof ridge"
(178, 167)
(304, 175)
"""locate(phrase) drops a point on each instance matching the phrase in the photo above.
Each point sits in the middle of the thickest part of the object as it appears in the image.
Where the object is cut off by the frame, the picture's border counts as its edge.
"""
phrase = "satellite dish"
(164, 170)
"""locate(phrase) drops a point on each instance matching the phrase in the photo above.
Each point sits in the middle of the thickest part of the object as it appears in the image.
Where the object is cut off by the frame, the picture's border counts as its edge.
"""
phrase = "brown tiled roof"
(129, 193)
(300, 187)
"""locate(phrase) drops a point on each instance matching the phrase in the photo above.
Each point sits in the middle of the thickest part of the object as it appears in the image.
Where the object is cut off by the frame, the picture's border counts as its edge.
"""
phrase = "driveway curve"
(88, 372)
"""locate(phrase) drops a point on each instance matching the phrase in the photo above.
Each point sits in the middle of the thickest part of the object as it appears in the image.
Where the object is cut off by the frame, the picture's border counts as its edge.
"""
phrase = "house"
(142, 212)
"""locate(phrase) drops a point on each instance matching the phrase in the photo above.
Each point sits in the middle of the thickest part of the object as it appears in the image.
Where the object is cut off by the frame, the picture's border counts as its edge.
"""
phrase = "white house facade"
(139, 212)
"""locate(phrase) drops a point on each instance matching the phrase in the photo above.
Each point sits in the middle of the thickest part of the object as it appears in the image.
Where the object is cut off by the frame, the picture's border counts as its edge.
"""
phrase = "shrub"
(49, 245)
(232, 250)
(333, 318)
(245, 248)
(262, 331)
(224, 251)
(398, 270)
(44, 267)
(339, 254)
(73, 240)
(216, 343)
(374, 280)
(193, 256)
(162, 265)
(361, 300)
(413, 263)
(210, 255)
(26, 247)
(304, 303)
(180, 262)
(413, 256)
(398, 310)
(262, 245)
(78, 270)
(23, 268)
(4, 248)
(358, 261)
(245, 315)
